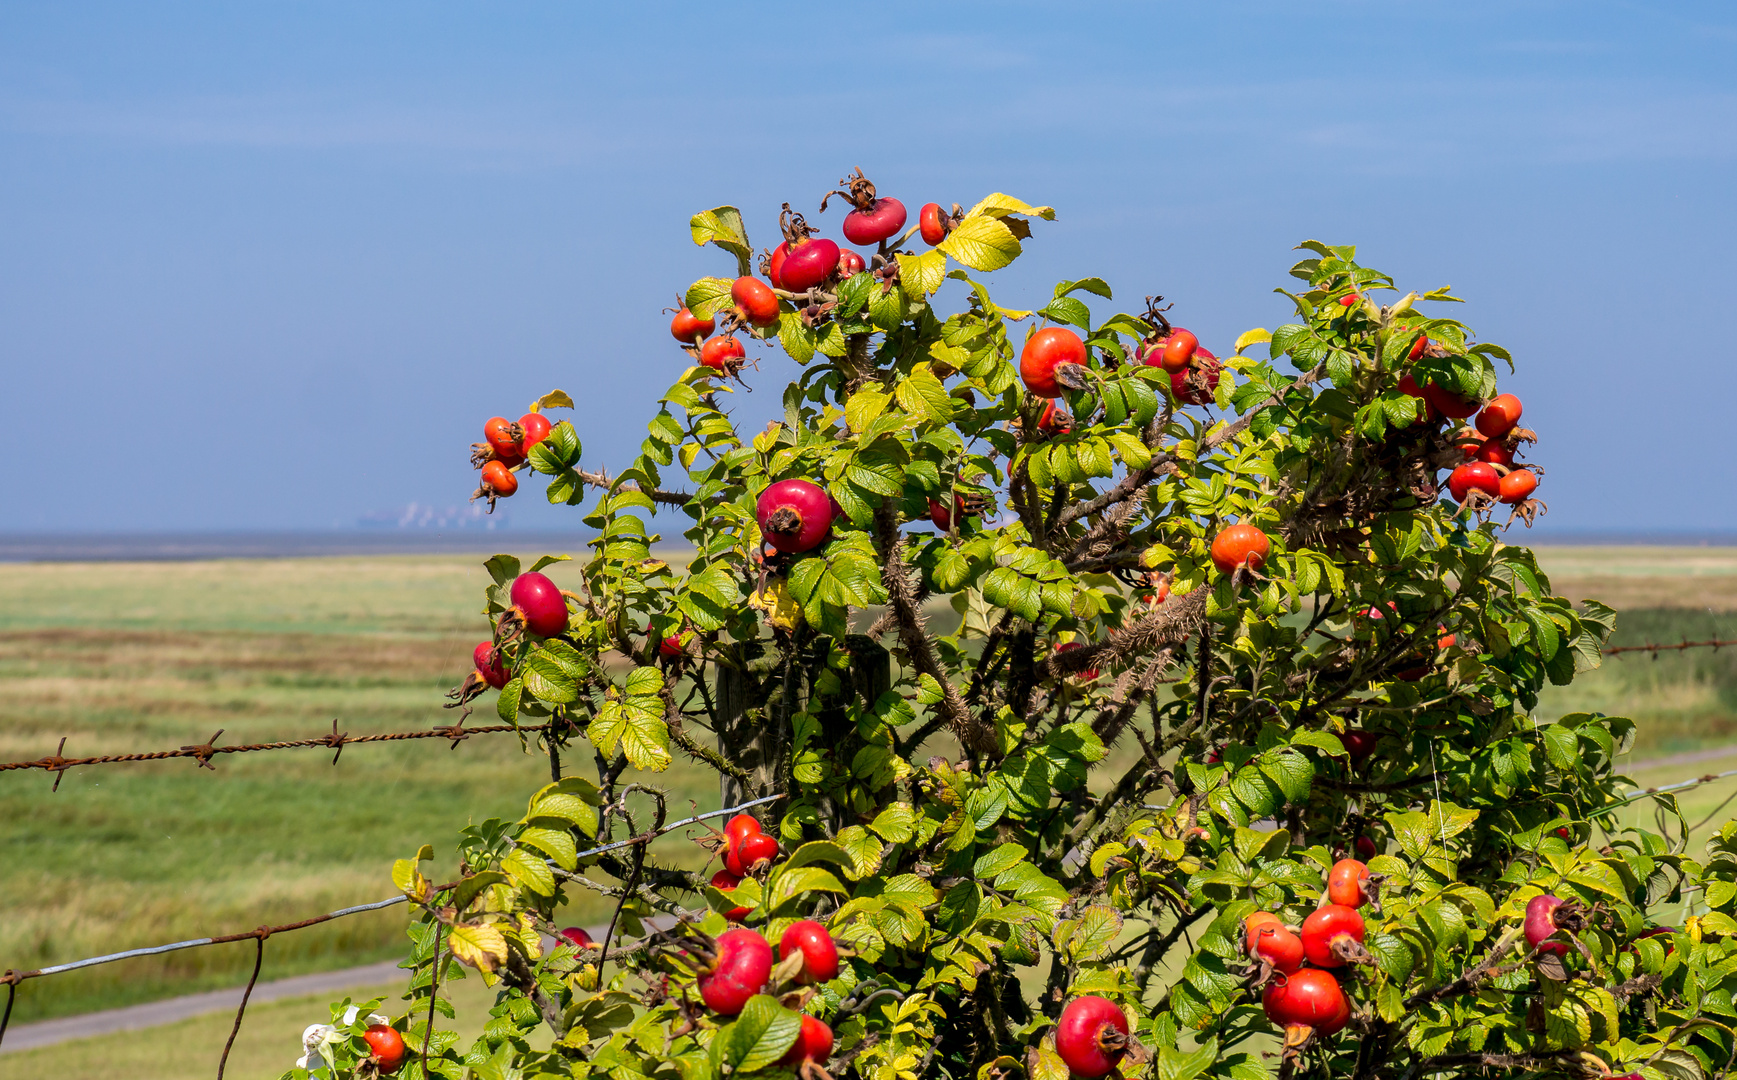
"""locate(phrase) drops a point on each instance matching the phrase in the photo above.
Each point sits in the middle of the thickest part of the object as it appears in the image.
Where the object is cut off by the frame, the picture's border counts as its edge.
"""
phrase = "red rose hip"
(578, 938)
(1309, 1000)
(1474, 476)
(1239, 546)
(1091, 1036)
(933, 223)
(499, 480)
(795, 515)
(808, 264)
(536, 428)
(813, 1043)
(387, 1047)
(689, 328)
(489, 665)
(1333, 935)
(1517, 486)
(723, 354)
(742, 966)
(1053, 358)
(540, 604)
(819, 952)
(754, 301)
(883, 218)
(1499, 416)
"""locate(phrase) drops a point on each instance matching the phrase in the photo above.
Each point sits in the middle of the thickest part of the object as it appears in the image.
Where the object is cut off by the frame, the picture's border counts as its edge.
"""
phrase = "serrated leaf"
(709, 297)
(529, 872)
(555, 843)
(981, 243)
(478, 946)
(923, 273)
(722, 225)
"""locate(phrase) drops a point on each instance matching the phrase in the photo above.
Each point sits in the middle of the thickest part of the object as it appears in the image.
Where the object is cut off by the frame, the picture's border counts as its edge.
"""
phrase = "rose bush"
(1285, 648)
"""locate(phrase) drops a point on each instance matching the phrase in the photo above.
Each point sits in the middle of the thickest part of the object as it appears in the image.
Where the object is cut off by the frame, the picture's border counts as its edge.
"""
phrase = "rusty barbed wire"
(1656, 649)
(336, 741)
(11, 979)
(203, 752)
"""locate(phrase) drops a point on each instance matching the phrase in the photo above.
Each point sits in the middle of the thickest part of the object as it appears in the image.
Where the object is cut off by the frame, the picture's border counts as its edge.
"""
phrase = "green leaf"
(787, 883)
(503, 568)
(555, 843)
(507, 705)
(761, 1034)
(1174, 1064)
(1091, 935)
(722, 225)
(709, 297)
(529, 872)
(633, 730)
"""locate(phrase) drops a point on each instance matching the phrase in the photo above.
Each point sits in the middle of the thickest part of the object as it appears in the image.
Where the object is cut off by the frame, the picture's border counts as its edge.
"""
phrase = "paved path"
(152, 1013)
(170, 1010)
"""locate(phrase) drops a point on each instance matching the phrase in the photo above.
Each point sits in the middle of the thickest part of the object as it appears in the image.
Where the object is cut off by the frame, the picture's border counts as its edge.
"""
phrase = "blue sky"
(271, 266)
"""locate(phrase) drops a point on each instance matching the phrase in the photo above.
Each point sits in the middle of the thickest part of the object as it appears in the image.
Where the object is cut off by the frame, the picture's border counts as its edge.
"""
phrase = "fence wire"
(203, 752)
(11, 979)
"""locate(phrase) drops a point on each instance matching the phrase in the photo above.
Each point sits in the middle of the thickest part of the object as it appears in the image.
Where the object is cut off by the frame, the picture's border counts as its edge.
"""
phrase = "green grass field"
(121, 657)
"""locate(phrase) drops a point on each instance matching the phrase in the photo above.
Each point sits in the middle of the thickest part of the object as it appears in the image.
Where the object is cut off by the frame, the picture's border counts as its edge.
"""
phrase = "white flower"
(317, 1038)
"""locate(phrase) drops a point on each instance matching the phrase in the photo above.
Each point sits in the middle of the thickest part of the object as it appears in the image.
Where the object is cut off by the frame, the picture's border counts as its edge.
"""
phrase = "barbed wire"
(1656, 649)
(11, 979)
(205, 751)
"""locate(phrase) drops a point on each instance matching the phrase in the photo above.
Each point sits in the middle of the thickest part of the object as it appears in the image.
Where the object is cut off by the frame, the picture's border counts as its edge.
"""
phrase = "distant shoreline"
(191, 546)
(281, 544)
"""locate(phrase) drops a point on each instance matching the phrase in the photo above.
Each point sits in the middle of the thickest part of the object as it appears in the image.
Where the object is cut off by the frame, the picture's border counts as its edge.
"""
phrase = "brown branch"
(1167, 625)
(901, 598)
(1470, 980)
(672, 716)
(601, 479)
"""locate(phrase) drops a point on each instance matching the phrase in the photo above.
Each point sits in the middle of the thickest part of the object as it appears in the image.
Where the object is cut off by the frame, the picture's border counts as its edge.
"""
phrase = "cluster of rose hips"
(739, 964)
(1489, 474)
(506, 446)
(538, 606)
(1309, 1000)
(802, 263)
(1054, 359)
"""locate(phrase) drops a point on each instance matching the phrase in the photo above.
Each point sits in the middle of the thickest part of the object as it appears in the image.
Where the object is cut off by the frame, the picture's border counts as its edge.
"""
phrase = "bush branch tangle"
(1077, 656)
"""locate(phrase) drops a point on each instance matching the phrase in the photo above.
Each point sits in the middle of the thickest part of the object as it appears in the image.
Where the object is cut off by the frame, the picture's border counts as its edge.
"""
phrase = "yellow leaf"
(924, 272)
(1252, 337)
(863, 407)
(478, 945)
(780, 608)
(408, 877)
(999, 205)
(982, 243)
(553, 400)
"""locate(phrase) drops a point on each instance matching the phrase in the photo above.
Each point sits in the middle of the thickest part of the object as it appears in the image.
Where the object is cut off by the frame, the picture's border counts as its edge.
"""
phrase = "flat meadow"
(119, 657)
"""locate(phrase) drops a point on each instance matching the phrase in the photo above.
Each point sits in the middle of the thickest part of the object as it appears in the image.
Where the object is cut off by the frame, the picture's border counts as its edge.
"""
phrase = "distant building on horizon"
(420, 516)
